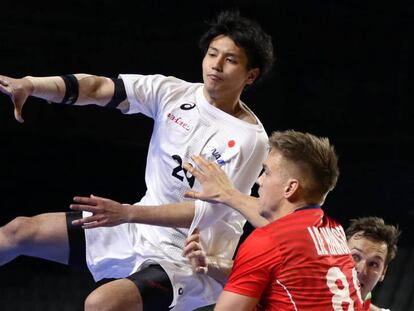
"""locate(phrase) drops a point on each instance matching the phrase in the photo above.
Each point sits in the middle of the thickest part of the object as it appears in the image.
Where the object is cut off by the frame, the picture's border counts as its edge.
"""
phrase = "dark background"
(344, 70)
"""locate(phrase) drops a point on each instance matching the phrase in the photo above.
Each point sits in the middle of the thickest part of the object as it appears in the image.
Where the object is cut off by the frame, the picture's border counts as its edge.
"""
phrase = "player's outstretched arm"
(217, 188)
(78, 89)
(109, 213)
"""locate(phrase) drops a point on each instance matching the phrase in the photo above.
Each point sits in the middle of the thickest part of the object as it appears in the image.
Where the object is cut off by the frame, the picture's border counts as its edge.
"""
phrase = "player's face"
(272, 183)
(369, 258)
(225, 72)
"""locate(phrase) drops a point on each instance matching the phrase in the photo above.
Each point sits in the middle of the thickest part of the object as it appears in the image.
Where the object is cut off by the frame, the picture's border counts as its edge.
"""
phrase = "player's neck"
(232, 106)
(285, 210)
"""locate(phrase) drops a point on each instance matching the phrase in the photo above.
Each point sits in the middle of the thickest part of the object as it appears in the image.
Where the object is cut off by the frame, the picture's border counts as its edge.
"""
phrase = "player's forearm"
(247, 205)
(91, 89)
(179, 215)
(219, 268)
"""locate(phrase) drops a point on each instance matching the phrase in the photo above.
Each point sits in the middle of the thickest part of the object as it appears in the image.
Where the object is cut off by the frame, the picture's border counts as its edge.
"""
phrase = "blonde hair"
(313, 155)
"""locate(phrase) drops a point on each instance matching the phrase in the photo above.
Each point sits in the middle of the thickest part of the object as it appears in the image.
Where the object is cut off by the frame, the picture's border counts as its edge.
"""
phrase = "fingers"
(84, 208)
(18, 115)
(195, 254)
(195, 236)
(191, 194)
(92, 200)
(194, 171)
(200, 161)
(92, 225)
(92, 196)
(85, 220)
(203, 164)
(192, 247)
(6, 88)
(90, 222)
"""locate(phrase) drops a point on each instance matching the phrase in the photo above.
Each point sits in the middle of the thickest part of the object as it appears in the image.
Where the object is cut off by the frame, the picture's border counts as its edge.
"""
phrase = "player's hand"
(194, 252)
(105, 212)
(217, 187)
(18, 90)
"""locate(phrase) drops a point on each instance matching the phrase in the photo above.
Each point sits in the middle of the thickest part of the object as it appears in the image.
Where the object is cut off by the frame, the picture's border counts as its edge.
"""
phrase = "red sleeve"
(255, 262)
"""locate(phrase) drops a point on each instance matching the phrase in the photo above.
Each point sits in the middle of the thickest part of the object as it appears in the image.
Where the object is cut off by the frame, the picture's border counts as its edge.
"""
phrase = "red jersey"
(298, 262)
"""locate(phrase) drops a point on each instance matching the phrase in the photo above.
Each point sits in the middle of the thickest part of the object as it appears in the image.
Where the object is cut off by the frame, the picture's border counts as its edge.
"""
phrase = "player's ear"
(291, 187)
(252, 75)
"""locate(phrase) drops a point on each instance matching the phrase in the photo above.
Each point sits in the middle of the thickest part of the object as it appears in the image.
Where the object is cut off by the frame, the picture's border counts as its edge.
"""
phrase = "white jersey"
(185, 124)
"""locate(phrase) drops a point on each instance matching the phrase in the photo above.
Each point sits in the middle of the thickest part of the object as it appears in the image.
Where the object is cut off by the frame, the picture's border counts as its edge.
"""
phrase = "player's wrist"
(231, 196)
(129, 213)
(28, 85)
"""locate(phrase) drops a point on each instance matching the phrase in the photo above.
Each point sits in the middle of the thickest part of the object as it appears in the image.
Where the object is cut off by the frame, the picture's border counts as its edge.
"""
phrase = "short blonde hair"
(315, 155)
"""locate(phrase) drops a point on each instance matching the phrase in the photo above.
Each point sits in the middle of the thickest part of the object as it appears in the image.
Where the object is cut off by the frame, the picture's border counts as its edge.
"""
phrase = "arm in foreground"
(109, 213)
(217, 188)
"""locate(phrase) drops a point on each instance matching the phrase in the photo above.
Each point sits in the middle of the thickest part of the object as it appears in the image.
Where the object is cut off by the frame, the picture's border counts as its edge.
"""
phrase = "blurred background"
(344, 69)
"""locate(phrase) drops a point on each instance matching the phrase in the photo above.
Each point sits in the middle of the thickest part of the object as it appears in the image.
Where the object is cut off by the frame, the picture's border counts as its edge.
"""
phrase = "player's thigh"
(120, 294)
(44, 236)
(148, 289)
(48, 228)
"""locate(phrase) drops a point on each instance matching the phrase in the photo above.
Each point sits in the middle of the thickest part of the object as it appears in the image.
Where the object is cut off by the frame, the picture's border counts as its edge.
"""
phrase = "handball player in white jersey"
(144, 263)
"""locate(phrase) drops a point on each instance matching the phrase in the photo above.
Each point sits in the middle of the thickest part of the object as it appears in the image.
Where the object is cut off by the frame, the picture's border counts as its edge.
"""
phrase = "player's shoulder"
(158, 80)
(260, 237)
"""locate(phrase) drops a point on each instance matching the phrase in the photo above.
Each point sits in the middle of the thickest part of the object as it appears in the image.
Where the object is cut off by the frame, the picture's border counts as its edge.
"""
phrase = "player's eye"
(356, 257)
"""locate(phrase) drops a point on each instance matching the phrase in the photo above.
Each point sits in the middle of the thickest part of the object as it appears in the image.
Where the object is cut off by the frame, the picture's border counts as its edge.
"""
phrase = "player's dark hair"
(246, 34)
(376, 229)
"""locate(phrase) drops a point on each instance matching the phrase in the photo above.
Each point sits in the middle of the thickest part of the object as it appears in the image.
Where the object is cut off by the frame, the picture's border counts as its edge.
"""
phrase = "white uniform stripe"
(288, 293)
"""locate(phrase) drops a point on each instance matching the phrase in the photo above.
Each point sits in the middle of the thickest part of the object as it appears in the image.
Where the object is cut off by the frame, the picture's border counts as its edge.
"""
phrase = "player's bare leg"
(43, 236)
(120, 294)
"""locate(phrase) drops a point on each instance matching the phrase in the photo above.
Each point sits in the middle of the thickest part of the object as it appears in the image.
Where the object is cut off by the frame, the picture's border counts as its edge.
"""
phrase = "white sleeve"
(146, 93)
(207, 214)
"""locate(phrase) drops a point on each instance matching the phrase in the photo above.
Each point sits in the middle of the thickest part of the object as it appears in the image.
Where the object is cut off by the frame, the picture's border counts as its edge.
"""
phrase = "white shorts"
(117, 252)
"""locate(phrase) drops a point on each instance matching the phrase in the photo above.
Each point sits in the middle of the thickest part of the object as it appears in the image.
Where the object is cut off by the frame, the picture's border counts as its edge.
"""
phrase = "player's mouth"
(214, 77)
